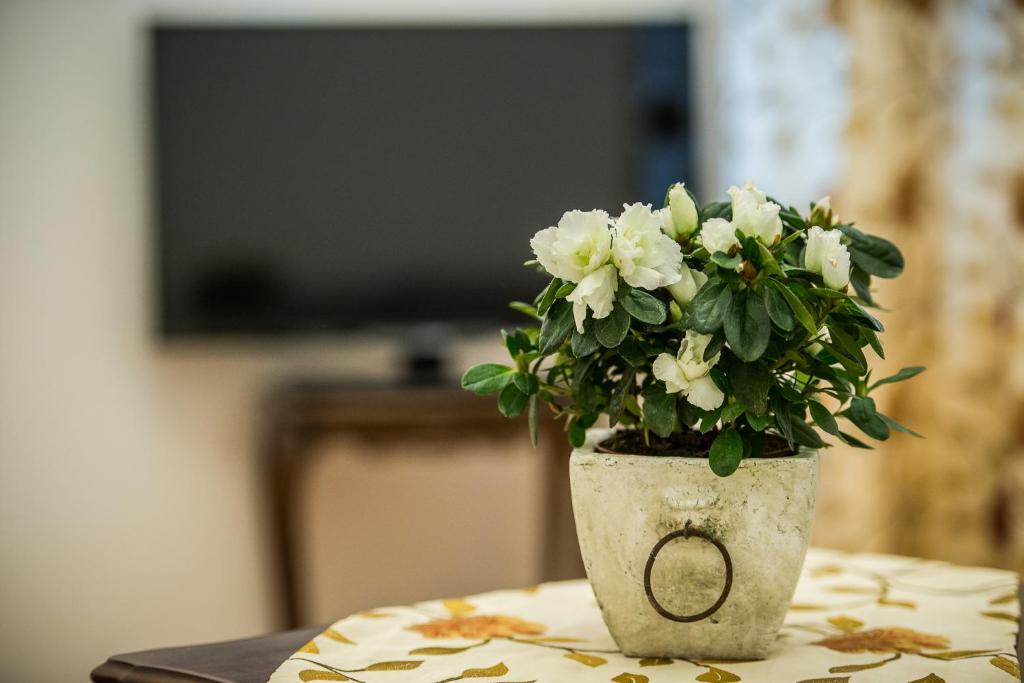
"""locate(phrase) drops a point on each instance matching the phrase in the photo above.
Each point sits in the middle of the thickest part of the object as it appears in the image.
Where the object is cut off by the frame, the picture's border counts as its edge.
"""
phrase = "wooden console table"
(299, 414)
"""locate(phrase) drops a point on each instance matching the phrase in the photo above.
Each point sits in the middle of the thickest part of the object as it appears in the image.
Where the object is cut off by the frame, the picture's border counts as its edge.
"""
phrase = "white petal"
(718, 234)
(579, 314)
(822, 245)
(543, 245)
(596, 291)
(836, 268)
(645, 256)
(684, 290)
(644, 278)
(704, 393)
(668, 371)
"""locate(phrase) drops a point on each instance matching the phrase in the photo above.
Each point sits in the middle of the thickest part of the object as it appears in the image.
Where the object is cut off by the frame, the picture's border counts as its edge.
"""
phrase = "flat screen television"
(322, 179)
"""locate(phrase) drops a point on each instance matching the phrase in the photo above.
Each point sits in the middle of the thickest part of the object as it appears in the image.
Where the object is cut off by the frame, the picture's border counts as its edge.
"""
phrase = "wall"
(130, 513)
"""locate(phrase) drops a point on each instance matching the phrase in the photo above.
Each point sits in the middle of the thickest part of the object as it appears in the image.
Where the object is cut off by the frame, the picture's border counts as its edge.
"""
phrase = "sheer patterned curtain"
(912, 115)
(781, 97)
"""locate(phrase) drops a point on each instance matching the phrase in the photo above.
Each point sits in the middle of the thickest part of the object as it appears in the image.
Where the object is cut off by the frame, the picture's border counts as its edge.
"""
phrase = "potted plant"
(721, 342)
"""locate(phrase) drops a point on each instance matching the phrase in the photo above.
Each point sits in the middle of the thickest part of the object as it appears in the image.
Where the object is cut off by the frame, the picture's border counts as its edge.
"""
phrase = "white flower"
(681, 213)
(576, 247)
(646, 257)
(596, 291)
(826, 255)
(687, 372)
(689, 284)
(668, 371)
(755, 216)
(718, 234)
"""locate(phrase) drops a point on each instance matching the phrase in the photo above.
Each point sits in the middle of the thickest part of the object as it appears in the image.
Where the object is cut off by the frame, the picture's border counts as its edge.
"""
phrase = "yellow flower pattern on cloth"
(855, 618)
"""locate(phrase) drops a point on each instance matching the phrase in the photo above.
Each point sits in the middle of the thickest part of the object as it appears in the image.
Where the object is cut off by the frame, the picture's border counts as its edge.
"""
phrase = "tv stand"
(299, 414)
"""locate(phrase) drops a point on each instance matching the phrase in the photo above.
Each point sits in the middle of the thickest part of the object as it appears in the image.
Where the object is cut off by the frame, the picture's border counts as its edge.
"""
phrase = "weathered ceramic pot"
(684, 563)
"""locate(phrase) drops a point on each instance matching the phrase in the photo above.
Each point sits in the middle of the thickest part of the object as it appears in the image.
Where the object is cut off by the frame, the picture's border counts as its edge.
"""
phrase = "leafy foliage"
(792, 352)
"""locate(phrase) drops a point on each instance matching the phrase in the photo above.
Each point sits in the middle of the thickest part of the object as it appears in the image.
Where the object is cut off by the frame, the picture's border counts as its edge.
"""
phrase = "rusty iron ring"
(686, 532)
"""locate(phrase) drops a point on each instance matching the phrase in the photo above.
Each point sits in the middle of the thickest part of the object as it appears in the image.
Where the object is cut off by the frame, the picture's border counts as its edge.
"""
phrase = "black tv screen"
(319, 179)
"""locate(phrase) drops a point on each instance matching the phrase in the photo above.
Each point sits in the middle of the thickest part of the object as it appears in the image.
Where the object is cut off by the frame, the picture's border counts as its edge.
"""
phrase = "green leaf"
(726, 261)
(488, 378)
(617, 401)
(793, 218)
(783, 419)
(612, 329)
(847, 344)
(876, 256)
(558, 323)
(825, 293)
(853, 365)
(565, 290)
(766, 260)
(778, 309)
(547, 297)
(863, 316)
(586, 343)
(714, 346)
(688, 413)
(750, 382)
(823, 418)
(524, 308)
(854, 441)
(905, 373)
(659, 409)
(862, 413)
(708, 308)
(893, 424)
(726, 452)
(532, 416)
(720, 379)
(804, 433)
(526, 382)
(861, 282)
(747, 327)
(730, 411)
(709, 419)
(511, 401)
(716, 210)
(641, 305)
(799, 310)
(631, 352)
(757, 422)
(577, 433)
(872, 340)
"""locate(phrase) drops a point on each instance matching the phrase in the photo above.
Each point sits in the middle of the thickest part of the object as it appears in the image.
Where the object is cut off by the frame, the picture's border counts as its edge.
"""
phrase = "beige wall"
(129, 510)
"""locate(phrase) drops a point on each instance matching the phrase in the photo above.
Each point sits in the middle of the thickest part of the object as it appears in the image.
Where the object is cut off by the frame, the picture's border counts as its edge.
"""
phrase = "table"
(959, 625)
(855, 617)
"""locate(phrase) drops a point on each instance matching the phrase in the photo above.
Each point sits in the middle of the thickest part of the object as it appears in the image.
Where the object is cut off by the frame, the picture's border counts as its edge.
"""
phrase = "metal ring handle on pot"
(686, 532)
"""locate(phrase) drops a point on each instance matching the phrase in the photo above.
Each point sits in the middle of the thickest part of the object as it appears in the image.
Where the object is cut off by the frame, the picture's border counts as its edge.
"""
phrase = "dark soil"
(688, 444)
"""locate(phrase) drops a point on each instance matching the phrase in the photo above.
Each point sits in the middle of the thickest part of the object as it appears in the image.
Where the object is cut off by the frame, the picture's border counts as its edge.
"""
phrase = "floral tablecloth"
(855, 617)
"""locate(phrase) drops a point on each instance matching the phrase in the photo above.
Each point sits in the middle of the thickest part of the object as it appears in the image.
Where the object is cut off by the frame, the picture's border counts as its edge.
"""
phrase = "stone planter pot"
(687, 564)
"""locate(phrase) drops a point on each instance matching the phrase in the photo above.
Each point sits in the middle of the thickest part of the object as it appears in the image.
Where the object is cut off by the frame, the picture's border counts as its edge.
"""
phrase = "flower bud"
(826, 255)
(689, 284)
(821, 214)
(681, 218)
